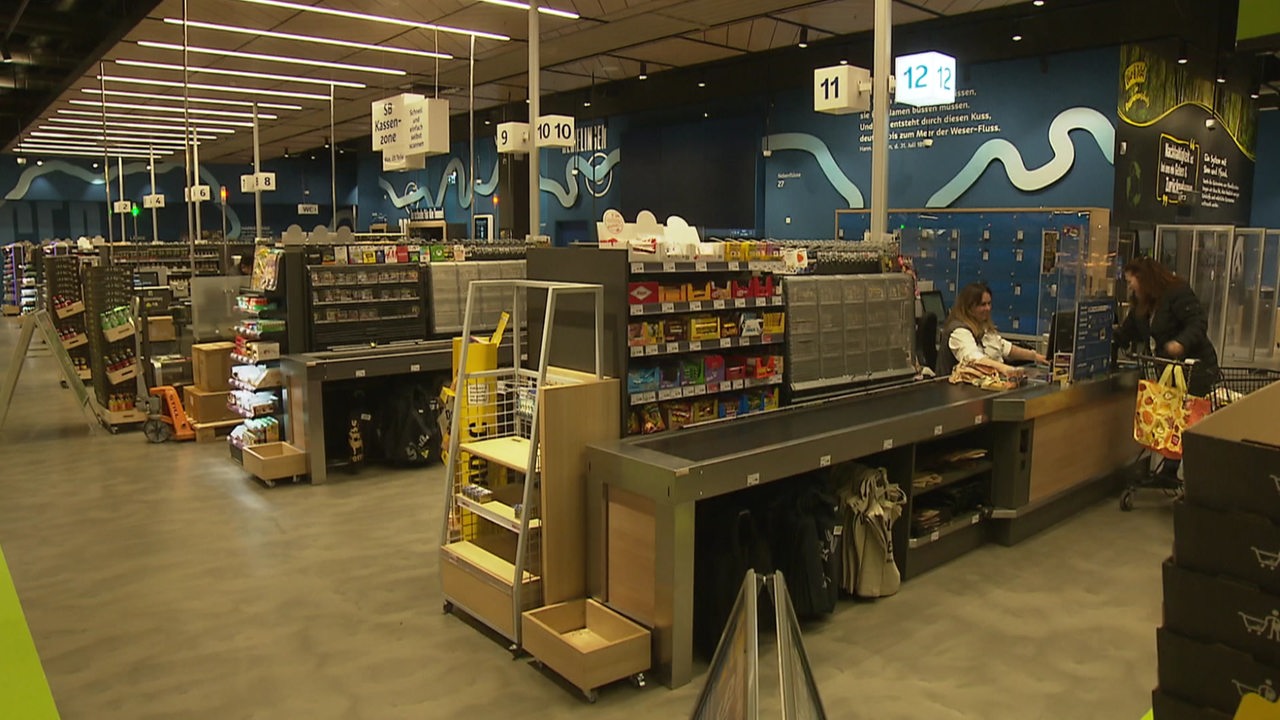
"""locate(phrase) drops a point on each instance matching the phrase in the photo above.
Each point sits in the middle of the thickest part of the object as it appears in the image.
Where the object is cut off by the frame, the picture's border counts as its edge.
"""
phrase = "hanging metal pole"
(192, 210)
(257, 168)
(333, 165)
(880, 120)
(471, 121)
(535, 110)
(195, 171)
(106, 159)
(151, 164)
(124, 232)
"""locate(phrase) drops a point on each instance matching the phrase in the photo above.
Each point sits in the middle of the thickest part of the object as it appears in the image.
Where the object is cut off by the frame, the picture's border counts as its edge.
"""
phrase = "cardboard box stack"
(1221, 634)
(206, 400)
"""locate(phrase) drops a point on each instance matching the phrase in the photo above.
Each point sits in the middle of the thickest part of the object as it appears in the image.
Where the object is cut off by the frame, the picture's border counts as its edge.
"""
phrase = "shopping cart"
(1151, 471)
(1236, 382)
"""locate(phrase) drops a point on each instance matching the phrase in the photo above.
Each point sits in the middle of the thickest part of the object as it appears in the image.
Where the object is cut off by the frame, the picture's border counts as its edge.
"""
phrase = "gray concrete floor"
(160, 582)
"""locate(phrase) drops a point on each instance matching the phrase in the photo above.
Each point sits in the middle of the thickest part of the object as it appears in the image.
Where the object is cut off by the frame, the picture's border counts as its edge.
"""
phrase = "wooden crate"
(586, 643)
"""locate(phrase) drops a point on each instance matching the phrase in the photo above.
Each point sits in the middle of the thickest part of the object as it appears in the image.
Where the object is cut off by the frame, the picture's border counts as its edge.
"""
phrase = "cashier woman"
(969, 335)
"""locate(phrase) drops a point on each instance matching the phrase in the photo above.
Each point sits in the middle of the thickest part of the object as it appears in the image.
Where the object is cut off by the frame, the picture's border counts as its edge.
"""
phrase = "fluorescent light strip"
(525, 6)
(310, 38)
(173, 135)
(273, 58)
(138, 126)
(154, 118)
(205, 101)
(378, 18)
(56, 145)
(214, 88)
(240, 73)
(36, 135)
(85, 152)
(171, 109)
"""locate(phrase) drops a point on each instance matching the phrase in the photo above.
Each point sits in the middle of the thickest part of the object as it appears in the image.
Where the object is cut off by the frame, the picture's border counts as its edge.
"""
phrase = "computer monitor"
(1061, 330)
(931, 301)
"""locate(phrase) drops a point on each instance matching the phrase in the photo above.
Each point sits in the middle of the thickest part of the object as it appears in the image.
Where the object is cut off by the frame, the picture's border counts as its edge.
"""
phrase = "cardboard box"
(1210, 675)
(1239, 545)
(1216, 609)
(160, 328)
(1167, 707)
(704, 327)
(1231, 459)
(206, 406)
(211, 365)
(171, 370)
(671, 293)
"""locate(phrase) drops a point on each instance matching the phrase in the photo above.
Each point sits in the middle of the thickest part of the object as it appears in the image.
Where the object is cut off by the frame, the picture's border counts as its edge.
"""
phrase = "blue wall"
(66, 198)
(1042, 139)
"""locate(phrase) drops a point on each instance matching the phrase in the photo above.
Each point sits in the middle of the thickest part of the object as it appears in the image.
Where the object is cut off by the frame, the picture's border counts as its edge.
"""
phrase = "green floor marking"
(24, 690)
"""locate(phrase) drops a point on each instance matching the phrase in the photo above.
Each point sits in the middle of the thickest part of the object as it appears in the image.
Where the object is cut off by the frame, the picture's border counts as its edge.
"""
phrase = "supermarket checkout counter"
(306, 374)
(643, 491)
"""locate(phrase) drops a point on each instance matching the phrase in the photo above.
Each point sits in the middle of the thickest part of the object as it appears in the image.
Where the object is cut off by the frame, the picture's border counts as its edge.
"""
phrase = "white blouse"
(967, 349)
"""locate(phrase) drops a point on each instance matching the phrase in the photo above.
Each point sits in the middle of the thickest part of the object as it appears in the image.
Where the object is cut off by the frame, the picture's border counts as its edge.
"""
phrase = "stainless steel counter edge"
(667, 479)
(1033, 402)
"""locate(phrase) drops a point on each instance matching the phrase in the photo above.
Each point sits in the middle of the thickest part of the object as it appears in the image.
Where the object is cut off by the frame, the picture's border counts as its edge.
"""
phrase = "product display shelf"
(64, 296)
(176, 257)
(512, 535)
(20, 288)
(365, 303)
(676, 324)
(946, 516)
(113, 362)
(257, 355)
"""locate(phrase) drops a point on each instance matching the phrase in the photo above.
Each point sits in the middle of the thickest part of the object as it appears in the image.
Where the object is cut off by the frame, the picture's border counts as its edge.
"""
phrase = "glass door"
(1243, 302)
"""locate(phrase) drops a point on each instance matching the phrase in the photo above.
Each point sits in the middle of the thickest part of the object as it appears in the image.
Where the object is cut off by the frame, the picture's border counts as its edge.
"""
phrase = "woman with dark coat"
(1167, 320)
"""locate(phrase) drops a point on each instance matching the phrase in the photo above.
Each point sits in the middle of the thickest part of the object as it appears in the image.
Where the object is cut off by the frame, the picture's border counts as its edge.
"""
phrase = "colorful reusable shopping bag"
(1164, 411)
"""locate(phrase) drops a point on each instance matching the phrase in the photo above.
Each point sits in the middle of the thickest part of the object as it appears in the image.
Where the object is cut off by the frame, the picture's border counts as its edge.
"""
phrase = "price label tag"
(415, 367)
(888, 444)
(695, 345)
(717, 304)
(974, 520)
(977, 419)
(700, 266)
(726, 342)
(637, 351)
(740, 302)
(637, 310)
(695, 305)
(824, 461)
(713, 388)
(668, 307)
(766, 339)
(753, 479)
(668, 267)
(673, 347)
(360, 373)
(637, 267)
(933, 537)
(650, 349)
(937, 430)
(669, 394)
(739, 384)
(953, 254)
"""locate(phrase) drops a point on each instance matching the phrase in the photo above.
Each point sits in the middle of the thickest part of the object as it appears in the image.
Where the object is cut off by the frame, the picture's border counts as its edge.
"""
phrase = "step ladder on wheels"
(492, 538)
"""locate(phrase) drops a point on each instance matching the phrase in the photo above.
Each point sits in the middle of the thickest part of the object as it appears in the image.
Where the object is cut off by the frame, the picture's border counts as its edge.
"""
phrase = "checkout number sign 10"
(555, 131)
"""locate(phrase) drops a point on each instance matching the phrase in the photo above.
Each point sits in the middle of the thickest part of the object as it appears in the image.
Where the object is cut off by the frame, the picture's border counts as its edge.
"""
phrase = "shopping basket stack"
(1221, 635)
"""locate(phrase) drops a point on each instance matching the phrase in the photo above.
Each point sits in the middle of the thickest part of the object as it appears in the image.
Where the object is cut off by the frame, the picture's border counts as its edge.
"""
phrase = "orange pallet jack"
(172, 422)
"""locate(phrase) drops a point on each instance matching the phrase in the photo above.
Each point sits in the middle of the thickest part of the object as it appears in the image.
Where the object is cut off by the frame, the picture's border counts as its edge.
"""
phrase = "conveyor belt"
(751, 434)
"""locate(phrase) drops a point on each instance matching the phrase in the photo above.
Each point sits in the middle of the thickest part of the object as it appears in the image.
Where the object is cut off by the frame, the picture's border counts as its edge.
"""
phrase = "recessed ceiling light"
(586, 103)
(379, 18)
(153, 118)
(844, 62)
(38, 162)
(240, 73)
(1254, 95)
(1038, 3)
(702, 84)
(175, 110)
(260, 92)
(1017, 37)
(273, 58)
